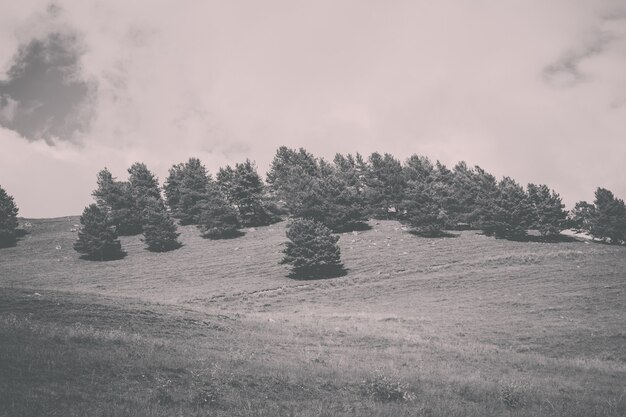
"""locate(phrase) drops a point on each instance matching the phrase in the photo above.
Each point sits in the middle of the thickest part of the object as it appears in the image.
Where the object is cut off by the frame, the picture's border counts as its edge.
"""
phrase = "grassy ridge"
(458, 326)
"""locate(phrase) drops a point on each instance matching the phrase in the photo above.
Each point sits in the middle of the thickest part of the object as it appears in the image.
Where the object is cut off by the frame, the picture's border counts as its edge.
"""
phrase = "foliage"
(244, 188)
(97, 238)
(608, 220)
(143, 184)
(117, 199)
(312, 250)
(384, 185)
(506, 213)
(218, 218)
(186, 190)
(8, 219)
(159, 230)
(513, 394)
(315, 189)
(422, 212)
(580, 217)
(287, 168)
(384, 388)
(548, 214)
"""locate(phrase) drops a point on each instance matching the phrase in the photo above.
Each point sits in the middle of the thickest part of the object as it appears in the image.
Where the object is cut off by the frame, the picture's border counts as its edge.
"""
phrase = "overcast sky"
(532, 89)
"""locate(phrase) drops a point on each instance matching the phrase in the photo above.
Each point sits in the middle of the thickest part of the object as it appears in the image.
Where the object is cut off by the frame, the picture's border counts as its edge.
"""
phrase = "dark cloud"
(45, 97)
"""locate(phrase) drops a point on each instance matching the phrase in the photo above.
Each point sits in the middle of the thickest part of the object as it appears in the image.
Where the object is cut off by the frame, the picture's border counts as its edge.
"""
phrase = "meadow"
(459, 326)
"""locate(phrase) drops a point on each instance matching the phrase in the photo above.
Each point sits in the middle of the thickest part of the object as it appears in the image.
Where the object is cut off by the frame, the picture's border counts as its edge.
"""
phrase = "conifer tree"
(288, 167)
(384, 185)
(218, 218)
(186, 189)
(312, 250)
(171, 187)
(159, 230)
(8, 219)
(422, 212)
(97, 239)
(581, 216)
(609, 217)
(143, 184)
(244, 188)
(116, 198)
(507, 213)
(548, 213)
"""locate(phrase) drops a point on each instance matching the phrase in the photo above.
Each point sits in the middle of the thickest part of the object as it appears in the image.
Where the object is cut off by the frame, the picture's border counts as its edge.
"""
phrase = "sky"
(531, 89)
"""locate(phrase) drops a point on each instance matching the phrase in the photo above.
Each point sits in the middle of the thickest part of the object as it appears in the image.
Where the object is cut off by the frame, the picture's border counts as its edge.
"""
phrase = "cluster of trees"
(126, 208)
(219, 208)
(427, 196)
(322, 198)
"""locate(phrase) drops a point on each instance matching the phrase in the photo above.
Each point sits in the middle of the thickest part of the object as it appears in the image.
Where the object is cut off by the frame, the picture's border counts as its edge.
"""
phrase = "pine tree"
(548, 213)
(422, 212)
(244, 188)
(507, 213)
(218, 218)
(97, 239)
(186, 190)
(143, 184)
(116, 197)
(581, 216)
(609, 217)
(312, 250)
(159, 230)
(171, 187)
(384, 185)
(8, 219)
(288, 167)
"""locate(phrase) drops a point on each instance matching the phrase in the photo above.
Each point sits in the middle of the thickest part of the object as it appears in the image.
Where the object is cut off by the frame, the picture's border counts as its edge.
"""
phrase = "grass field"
(463, 326)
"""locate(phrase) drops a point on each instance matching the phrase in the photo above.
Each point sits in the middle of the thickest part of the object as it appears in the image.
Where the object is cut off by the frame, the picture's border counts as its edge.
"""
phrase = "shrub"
(384, 388)
(312, 250)
(512, 394)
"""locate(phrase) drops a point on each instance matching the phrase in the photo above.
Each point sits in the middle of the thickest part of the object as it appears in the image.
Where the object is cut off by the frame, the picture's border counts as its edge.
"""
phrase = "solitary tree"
(8, 219)
(97, 239)
(312, 250)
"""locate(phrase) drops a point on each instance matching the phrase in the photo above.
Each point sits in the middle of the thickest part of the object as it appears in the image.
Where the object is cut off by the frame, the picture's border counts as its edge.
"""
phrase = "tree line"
(323, 197)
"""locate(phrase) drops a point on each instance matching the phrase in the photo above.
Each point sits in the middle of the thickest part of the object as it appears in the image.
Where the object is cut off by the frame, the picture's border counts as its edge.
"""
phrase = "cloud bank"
(535, 90)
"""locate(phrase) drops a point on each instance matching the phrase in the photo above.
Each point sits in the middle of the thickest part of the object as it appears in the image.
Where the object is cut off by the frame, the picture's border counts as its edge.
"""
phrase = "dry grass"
(468, 326)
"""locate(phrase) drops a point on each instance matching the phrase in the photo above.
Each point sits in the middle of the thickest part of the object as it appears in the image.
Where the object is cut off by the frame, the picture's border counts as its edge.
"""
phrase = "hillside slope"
(469, 311)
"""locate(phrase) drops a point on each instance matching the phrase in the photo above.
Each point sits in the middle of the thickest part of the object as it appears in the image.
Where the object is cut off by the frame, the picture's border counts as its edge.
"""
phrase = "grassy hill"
(468, 326)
